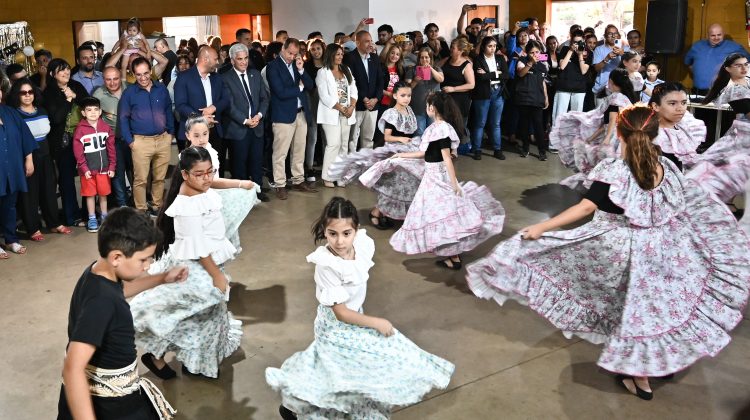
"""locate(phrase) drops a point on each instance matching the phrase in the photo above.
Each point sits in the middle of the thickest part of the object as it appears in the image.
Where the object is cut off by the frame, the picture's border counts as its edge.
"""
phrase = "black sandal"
(379, 222)
(164, 373)
(286, 413)
(454, 265)
(639, 392)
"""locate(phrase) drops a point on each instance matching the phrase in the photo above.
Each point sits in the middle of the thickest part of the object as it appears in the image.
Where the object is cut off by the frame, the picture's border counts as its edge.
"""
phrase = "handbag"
(71, 121)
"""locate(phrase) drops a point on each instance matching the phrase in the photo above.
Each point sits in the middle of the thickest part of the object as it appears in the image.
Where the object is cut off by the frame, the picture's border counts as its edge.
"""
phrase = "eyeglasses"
(26, 93)
(205, 175)
(741, 65)
(611, 34)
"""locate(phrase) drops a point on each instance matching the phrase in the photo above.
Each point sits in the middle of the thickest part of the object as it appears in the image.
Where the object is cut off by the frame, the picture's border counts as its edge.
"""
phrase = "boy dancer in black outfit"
(100, 376)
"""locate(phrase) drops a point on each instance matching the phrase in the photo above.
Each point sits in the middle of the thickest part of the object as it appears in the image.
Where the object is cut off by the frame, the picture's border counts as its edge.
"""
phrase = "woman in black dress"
(459, 82)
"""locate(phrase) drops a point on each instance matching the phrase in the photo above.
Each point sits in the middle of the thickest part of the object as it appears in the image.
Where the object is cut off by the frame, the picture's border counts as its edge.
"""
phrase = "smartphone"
(618, 43)
(496, 31)
(492, 21)
(524, 24)
(542, 57)
(369, 21)
(424, 72)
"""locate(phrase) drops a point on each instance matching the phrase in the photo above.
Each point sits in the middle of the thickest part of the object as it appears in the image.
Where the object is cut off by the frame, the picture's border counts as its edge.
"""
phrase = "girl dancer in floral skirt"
(190, 319)
(446, 218)
(660, 276)
(359, 366)
(583, 139)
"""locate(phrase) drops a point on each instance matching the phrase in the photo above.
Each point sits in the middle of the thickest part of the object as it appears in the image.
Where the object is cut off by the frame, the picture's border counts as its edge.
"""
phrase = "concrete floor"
(510, 363)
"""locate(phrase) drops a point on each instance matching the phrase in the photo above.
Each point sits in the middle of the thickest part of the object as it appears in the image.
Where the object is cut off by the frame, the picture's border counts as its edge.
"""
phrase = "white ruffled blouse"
(343, 281)
(199, 228)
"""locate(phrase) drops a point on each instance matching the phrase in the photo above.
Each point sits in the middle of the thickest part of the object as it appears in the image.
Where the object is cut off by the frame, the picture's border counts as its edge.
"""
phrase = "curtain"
(207, 25)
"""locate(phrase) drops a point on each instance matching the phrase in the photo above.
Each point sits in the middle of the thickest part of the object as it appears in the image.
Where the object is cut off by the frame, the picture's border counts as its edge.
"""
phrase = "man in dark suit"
(242, 122)
(365, 68)
(287, 81)
(199, 90)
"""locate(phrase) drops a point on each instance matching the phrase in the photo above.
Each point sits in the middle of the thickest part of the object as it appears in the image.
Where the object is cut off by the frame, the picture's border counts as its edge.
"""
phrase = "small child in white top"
(652, 79)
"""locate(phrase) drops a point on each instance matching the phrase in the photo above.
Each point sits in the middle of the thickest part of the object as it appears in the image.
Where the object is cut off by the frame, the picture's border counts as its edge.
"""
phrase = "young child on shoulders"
(100, 374)
(94, 150)
(135, 40)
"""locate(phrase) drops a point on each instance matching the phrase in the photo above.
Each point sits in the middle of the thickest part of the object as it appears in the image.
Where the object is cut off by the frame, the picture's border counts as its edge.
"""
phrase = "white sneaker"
(310, 179)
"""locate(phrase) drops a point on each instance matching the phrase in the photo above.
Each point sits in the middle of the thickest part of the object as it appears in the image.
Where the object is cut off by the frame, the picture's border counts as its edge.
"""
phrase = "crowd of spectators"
(280, 110)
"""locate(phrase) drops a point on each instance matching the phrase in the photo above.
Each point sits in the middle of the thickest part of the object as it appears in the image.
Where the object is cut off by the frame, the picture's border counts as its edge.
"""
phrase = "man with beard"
(86, 75)
(199, 90)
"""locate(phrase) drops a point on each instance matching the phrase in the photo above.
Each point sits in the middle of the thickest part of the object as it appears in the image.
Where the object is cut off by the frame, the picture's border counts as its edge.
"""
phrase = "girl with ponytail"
(190, 319)
(650, 272)
(394, 185)
(583, 139)
(445, 218)
(359, 366)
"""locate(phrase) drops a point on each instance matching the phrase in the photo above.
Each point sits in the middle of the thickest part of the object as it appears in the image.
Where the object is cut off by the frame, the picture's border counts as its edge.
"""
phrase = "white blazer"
(328, 94)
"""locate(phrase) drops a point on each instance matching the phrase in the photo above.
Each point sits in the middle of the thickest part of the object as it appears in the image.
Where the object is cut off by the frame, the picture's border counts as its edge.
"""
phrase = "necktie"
(247, 92)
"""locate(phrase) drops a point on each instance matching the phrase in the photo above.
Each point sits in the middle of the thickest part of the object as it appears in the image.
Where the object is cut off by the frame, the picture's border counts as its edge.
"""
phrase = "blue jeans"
(423, 121)
(487, 111)
(123, 168)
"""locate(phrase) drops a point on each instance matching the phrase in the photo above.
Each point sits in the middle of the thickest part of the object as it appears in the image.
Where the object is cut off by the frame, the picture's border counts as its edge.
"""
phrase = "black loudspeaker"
(665, 26)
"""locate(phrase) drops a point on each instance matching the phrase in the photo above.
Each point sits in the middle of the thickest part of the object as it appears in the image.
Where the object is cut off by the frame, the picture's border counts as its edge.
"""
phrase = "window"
(591, 13)
(186, 27)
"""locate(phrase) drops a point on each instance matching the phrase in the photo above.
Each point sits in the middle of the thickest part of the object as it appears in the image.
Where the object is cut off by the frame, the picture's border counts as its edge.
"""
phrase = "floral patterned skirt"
(352, 372)
(236, 203)
(658, 298)
(396, 182)
(348, 168)
(443, 223)
(190, 319)
(586, 155)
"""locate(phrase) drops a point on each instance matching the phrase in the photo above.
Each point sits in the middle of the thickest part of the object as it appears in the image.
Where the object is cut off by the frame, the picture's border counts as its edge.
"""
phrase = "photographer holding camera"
(574, 63)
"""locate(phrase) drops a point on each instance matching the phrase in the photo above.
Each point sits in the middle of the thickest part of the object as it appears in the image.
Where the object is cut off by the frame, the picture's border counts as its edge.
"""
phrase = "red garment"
(392, 80)
(94, 147)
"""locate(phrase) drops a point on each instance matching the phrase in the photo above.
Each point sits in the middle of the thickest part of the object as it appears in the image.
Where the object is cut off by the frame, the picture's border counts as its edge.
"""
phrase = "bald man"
(706, 55)
(198, 90)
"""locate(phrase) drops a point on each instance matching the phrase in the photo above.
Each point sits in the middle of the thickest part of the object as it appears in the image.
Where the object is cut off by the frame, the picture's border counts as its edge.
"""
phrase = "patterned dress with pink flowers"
(572, 135)
(725, 166)
(680, 142)
(660, 285)
(439, 220)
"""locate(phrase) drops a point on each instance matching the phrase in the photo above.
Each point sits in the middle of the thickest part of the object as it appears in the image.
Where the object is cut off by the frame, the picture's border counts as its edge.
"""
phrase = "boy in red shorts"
(94, 149)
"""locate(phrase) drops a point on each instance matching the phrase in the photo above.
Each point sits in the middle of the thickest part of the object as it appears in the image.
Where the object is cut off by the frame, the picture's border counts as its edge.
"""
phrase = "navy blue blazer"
(367, 87)
(285, 91)
(189, 97)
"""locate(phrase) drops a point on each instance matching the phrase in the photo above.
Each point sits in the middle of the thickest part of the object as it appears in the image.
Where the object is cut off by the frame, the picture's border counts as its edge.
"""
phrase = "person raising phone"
(606, 58)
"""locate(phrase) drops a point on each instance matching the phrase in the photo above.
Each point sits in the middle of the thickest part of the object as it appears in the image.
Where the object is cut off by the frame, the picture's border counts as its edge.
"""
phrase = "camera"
(581, 45)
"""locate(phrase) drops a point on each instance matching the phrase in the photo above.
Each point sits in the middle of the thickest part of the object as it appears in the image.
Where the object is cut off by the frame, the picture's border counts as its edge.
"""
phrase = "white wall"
(300, 17)
(410, 15)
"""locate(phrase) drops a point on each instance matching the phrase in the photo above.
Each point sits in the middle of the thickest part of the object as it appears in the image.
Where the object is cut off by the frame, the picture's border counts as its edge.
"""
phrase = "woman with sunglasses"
(42, 187)
(16, 163)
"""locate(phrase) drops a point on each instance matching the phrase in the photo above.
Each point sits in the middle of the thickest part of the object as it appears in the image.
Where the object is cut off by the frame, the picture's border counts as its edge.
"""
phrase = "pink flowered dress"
(439, 221)
(570, 133)
(724, 168)
(679, 143)
(660, 285)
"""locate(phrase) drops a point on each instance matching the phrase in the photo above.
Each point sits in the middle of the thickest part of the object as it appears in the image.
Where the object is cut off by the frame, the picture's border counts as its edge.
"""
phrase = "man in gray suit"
(244, 129)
